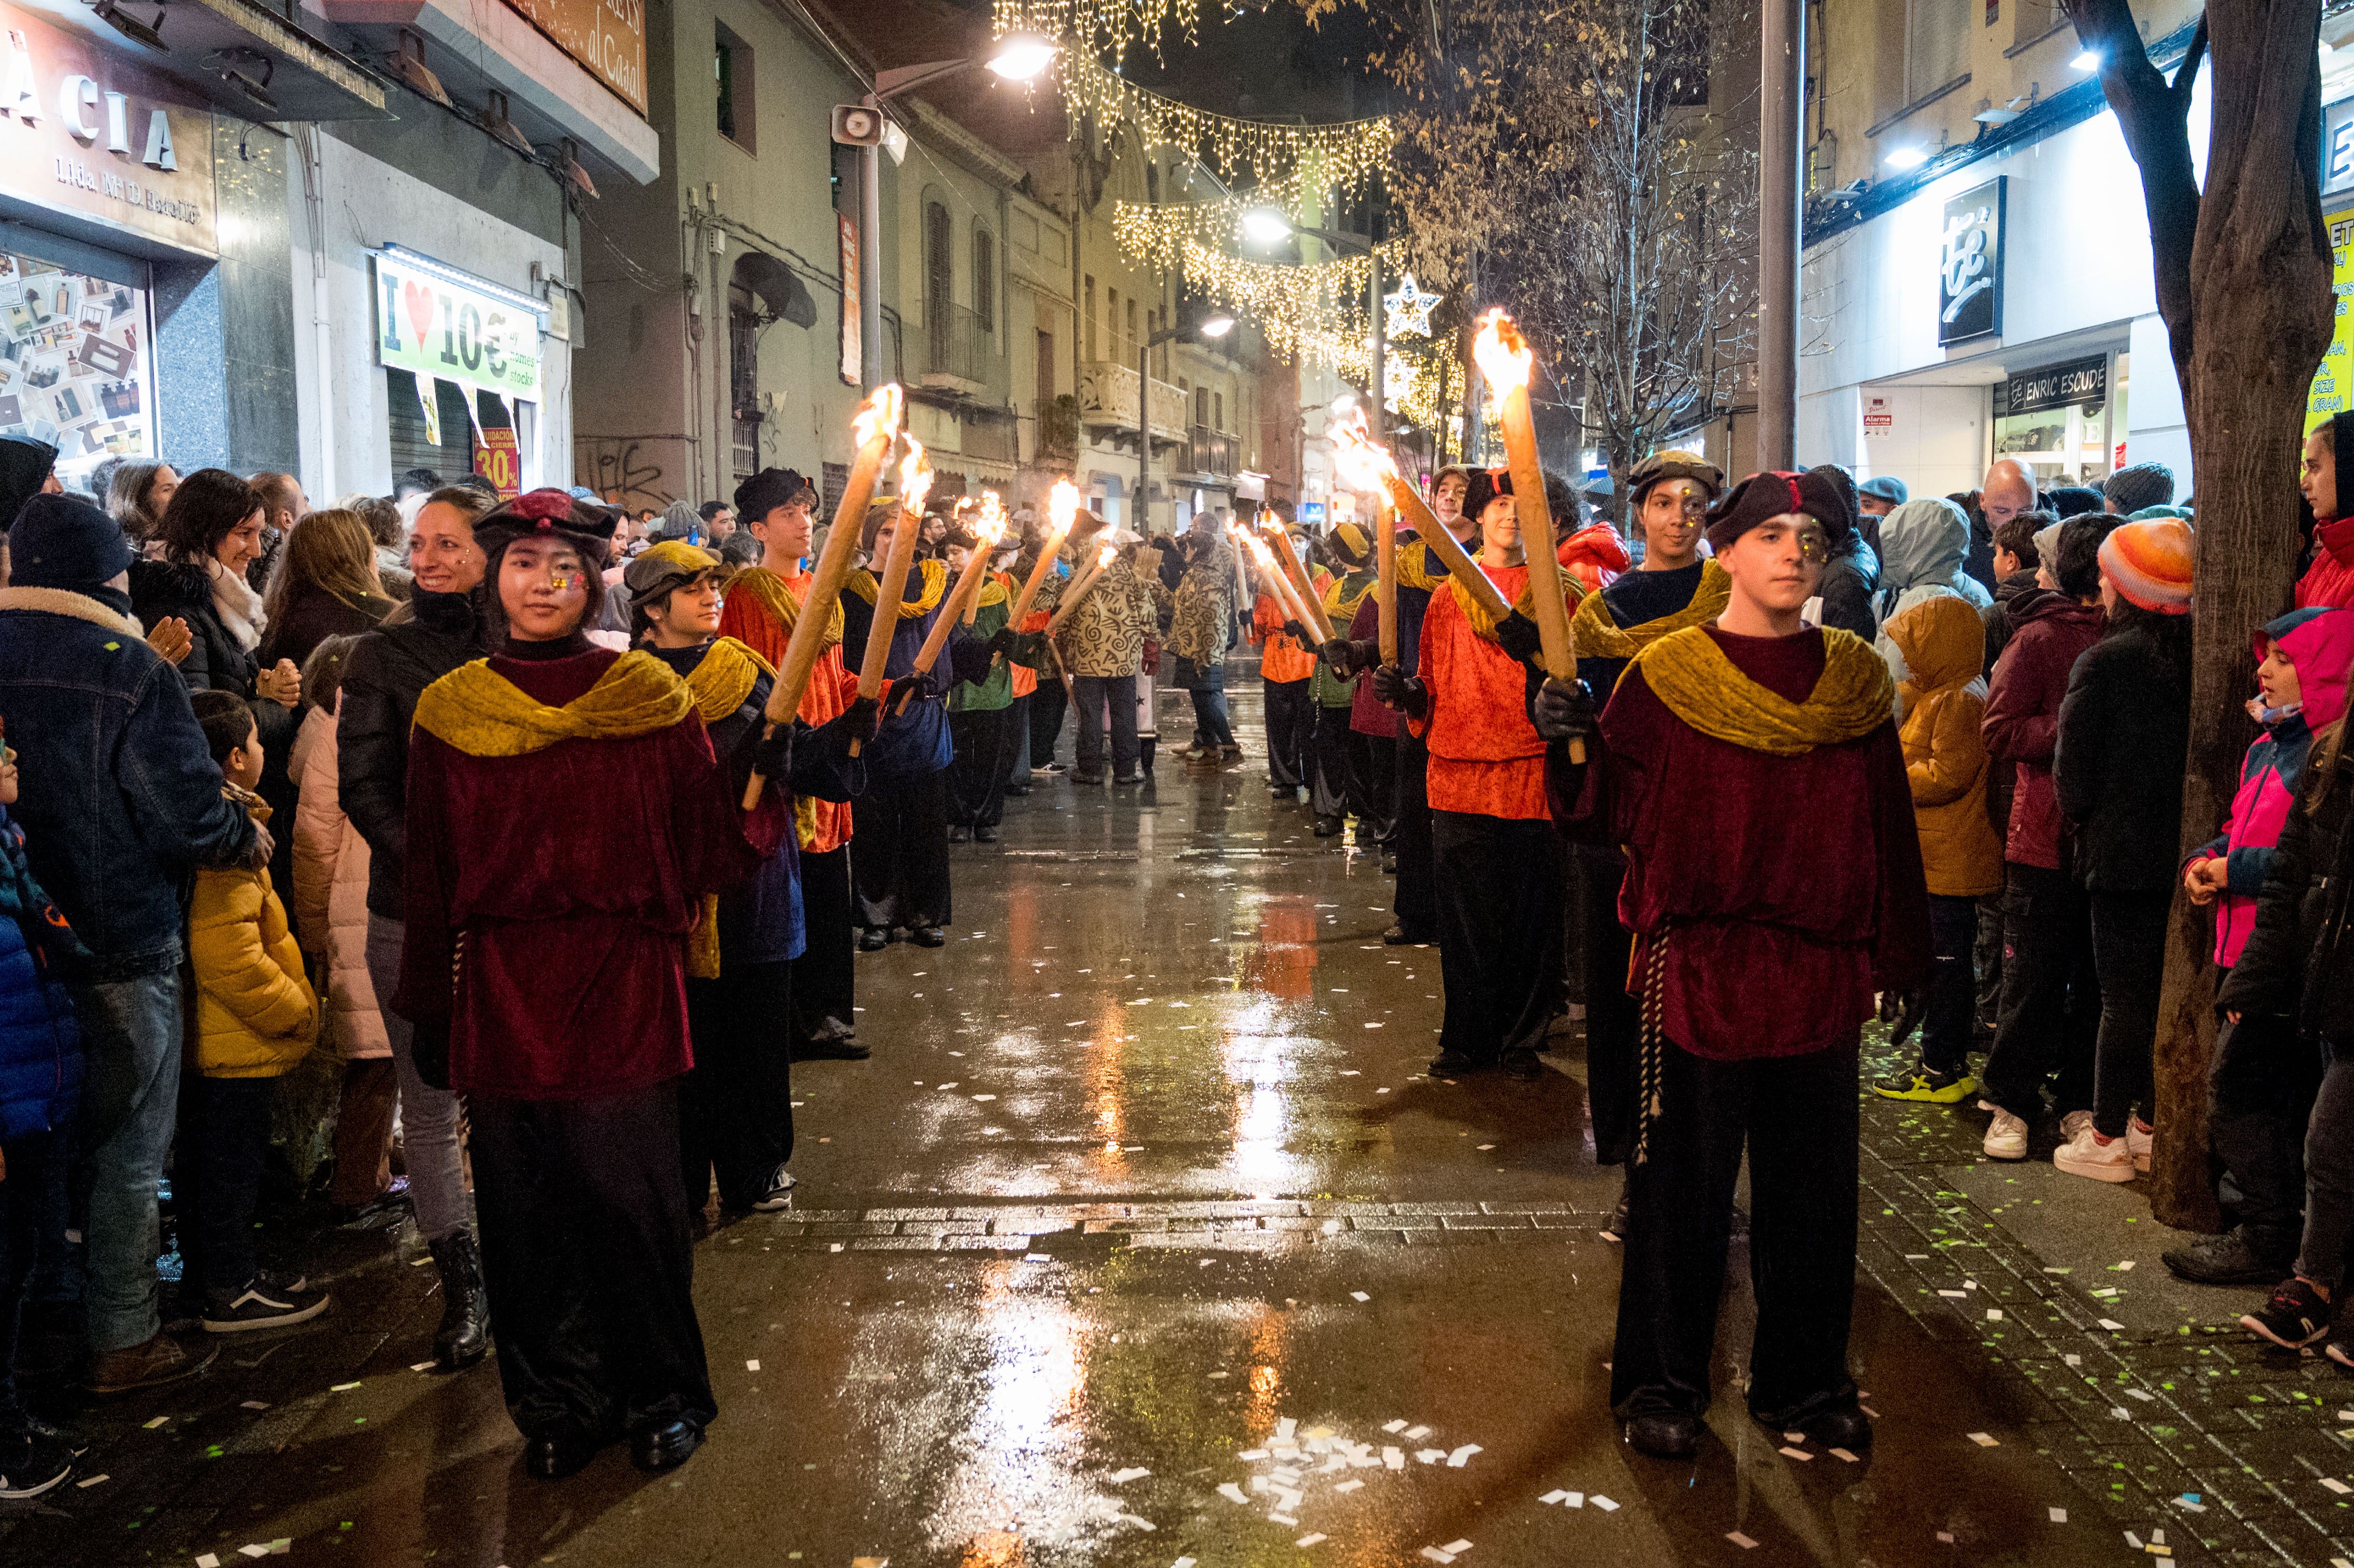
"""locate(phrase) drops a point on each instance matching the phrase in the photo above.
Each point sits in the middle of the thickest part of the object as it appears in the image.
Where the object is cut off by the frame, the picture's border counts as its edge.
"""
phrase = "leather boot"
(465, 1332)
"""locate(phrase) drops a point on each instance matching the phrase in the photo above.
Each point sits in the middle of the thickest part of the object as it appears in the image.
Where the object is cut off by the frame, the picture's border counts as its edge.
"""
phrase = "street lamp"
(1217, 324)
(1268, 226)
(1018, 57)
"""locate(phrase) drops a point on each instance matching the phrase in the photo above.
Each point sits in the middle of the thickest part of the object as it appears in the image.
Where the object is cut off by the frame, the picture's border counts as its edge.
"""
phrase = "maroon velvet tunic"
(1788, 889)
(557, 888)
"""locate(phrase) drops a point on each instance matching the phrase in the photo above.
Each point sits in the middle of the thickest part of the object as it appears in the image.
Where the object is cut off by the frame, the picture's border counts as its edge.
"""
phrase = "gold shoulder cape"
(723, 682)
(1340, 601)
(993, 592)
(1483, 625)
(483, 714)
(933, 574)
(1593, 634)
(774, 597)
(1702, 686)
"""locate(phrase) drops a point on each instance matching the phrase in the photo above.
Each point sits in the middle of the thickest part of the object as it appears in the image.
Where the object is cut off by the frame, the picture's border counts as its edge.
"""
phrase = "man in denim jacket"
(121, 801)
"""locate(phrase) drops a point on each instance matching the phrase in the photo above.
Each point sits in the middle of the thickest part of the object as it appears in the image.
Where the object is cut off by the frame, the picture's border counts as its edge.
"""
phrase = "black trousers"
(2050, 1000)
(1613, 1018)
(1291, 726)
(1416, 899)
(736, 1106)
(1106, 699)
(2129, 955)
(1046, 705)
(1946, 1027)
(902, 867)
(1797, 1117)
(977, 781)
(224, 1143)
(22, 1197)
(587, 1250)
(2264, 1081)
(1989, 965)
(1376, 806)
(1346, 778)
(825, 977)
(1501, 890)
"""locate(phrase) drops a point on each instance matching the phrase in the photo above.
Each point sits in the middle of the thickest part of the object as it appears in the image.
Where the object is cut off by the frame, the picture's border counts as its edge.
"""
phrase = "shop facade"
(143, 310)
(2006, 308)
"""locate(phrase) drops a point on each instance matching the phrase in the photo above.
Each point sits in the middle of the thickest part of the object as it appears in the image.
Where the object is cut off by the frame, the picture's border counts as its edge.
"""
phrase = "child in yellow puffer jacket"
(255, 1017)
(1942, 640)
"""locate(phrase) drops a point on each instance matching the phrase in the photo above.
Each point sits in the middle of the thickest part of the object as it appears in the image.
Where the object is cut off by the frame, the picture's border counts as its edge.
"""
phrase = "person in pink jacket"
(2265, 1077)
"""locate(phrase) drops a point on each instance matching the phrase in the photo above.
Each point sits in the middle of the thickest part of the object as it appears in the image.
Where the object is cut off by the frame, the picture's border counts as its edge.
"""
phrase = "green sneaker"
(1927, 1084)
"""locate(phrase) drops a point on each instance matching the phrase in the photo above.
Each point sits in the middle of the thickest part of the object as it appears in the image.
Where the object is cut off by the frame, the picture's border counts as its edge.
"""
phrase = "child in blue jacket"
(41, 1088)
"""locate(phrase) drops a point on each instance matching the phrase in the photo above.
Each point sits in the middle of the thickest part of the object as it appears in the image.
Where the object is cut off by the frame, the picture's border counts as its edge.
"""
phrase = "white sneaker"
(2090, 1155)
(2073, 1124)
(2140, 1136)
(2006, 1136)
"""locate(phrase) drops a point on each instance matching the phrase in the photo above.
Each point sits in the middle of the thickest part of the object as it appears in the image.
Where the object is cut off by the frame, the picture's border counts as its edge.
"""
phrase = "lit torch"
(1357, 454)
(966, 596)
(1504, 362)
(1062, 509)
(1294, 570)
(992, 527)
(1080, 589)
(875, 427)
(891, 582)
(1287, 597)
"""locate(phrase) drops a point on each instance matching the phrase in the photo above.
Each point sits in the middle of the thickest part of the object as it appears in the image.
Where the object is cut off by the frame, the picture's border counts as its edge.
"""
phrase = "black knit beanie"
(1771, 493)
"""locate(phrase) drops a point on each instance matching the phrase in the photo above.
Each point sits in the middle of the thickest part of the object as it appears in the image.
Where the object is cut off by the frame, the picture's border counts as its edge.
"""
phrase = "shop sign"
(84, 132)
(1879, 414)
(854, 363)
(608, 37)
(2334, 380)
(440, 323)
(496, 459)
(2337, 147)
(1969, 281)
(2074, 384)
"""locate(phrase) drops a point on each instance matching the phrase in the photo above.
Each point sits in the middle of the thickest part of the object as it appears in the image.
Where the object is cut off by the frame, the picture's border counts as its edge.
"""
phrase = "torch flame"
(1362, 464)
(1104, 557)
(877, 418)
(993, 514)
(1063, 507)
(914, 478)
(1501, 352)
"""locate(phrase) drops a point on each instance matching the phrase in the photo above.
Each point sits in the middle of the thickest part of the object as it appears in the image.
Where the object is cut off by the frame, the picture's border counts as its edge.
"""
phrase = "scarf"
(935, 575)
(1416, 560)
(1483, 625)
(483, 714)
(237, 604)
(723, 682)
(1700, 685)
(770, 592)
(1344, 595)
(1593, 634)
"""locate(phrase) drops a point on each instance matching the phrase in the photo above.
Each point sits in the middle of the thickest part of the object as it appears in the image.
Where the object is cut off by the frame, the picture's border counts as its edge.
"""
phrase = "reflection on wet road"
(1140, 1240)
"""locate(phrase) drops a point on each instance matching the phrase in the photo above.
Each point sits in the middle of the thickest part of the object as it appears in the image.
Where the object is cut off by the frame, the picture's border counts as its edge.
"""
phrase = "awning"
(245, 61)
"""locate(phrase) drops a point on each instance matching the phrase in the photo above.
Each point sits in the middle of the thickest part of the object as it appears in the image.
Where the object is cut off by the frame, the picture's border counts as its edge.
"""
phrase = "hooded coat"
(2328, 581)
(256, 1015)
(2048, 630)
(1944, 699)
(1846, 588)
(2321, 644)
(1594, 556)
(1924, 545)
(330, 886)
(2117, 760)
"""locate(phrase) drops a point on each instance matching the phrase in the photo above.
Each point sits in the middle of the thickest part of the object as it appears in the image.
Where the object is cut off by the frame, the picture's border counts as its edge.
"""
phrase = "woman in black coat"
(2124, 730)
(324, 584)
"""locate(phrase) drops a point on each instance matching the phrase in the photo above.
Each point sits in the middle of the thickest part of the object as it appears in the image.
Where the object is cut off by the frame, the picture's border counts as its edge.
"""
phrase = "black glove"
(1394, 688)
(1003, 640)
(1518, 635)
(1347, 658)
(1299, 634)
(909, 689)
(1563, 710)
(771, 754)
(1028, 648)
(861, 721)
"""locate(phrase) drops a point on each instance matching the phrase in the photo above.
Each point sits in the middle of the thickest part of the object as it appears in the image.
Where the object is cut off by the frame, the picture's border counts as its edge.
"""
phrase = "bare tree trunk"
(2243, 283)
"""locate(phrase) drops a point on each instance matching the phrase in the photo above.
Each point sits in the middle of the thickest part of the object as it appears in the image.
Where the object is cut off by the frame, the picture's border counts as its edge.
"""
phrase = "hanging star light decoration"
(1409, 310)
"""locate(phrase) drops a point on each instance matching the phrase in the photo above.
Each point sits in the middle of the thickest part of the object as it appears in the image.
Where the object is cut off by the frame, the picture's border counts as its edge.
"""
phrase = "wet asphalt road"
(1140, 1240)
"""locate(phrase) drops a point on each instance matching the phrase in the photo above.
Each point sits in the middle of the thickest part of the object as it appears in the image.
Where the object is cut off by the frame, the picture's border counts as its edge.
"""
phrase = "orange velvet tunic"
(824, 825)
(1486, 758)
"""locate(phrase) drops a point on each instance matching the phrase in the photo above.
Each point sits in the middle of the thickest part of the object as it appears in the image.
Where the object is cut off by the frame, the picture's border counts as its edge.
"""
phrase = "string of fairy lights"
(1342, 155)
(1111, 27)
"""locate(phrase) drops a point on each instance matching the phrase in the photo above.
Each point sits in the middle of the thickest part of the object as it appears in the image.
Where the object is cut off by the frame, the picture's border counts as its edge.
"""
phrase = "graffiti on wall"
(629, 470)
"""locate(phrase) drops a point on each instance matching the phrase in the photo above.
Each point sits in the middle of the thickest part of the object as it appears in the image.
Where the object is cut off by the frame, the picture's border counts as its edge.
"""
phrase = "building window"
(731, 78)
(984, 278)
(1936, 45)
(939, 282)
(1217, 410)
(1201, 405)
(1091, 319)
(1111, 326)
(1132, 339)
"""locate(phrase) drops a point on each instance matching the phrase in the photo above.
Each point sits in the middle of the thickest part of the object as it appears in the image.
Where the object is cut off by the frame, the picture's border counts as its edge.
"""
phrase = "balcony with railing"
(1108, 393)
(958, 349)
(1209, 454)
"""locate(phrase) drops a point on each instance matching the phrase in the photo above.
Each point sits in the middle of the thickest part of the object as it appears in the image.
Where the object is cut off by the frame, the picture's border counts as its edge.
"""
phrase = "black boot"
(465, 1332)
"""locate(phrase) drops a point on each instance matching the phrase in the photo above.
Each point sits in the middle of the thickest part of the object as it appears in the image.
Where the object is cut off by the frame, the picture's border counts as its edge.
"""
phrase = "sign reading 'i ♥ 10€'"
(433, 326)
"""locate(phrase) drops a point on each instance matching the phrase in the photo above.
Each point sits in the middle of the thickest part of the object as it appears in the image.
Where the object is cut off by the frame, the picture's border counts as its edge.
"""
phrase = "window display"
(75, 367)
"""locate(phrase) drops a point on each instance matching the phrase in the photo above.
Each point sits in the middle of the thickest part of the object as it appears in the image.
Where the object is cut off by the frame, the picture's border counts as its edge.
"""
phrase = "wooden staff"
(1316, 620)
(963, 600)
(1062, 506)
(1385, 576)
(1504, 360)
(891, 582)
(1079, 589)
(1286, 596)
(876, 426)
(1459, 564)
